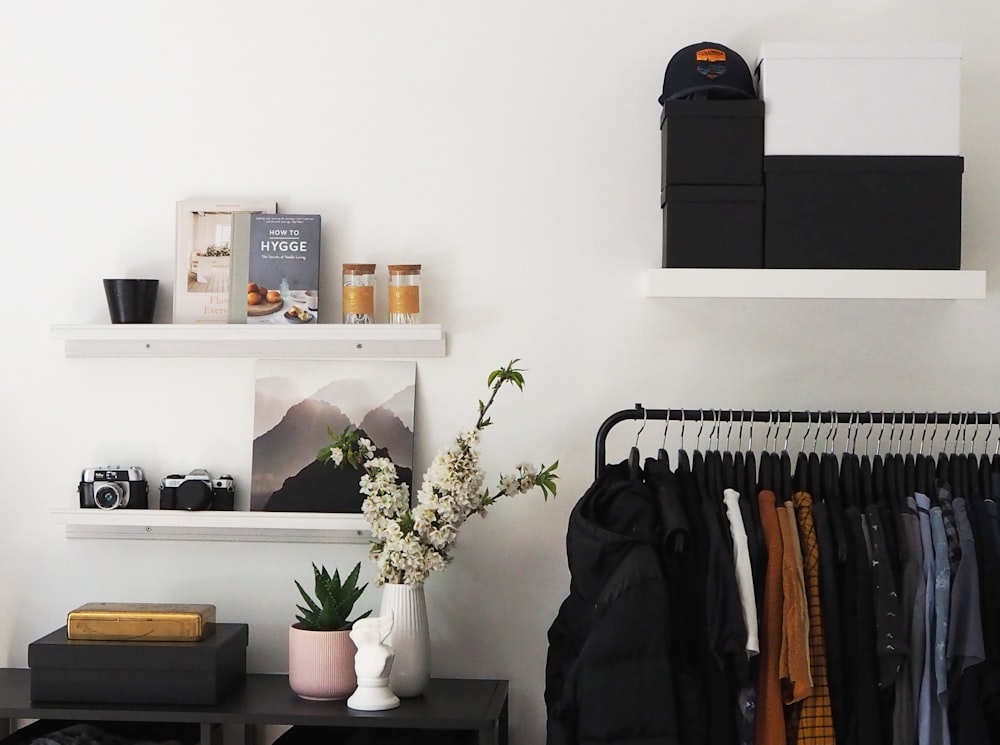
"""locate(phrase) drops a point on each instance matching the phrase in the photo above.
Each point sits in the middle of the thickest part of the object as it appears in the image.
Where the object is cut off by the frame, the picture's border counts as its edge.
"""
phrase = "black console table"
(471, 705)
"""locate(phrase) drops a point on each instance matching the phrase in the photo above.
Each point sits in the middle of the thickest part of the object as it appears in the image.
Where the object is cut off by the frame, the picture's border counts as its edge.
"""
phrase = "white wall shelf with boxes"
(316, 341)
(179, 525)
(893, 284)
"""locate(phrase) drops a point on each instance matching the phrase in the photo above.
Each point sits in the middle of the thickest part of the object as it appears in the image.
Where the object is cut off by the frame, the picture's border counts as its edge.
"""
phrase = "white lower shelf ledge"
(208, 525)
(890, 284)
(306, 341)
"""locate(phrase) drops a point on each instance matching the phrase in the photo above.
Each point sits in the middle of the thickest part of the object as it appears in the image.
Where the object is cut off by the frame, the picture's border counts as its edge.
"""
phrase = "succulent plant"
(334, 601)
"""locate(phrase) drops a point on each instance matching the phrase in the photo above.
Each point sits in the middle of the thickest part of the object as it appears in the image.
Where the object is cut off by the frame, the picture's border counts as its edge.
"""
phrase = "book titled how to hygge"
(276, 257)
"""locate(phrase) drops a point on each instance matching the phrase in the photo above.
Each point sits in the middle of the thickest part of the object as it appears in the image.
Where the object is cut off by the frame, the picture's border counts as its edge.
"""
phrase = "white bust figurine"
(372, 664)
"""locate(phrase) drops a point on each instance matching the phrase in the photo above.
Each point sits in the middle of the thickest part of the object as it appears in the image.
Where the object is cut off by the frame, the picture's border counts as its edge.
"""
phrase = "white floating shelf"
(181, 525)
(316, 341)
(923, 284)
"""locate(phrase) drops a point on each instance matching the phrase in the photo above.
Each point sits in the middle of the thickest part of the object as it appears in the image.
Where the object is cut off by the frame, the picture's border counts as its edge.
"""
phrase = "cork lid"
(404, 268)
(359, 268)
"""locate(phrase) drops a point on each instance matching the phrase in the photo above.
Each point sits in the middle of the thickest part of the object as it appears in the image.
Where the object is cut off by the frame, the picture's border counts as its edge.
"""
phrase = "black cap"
(707, 70)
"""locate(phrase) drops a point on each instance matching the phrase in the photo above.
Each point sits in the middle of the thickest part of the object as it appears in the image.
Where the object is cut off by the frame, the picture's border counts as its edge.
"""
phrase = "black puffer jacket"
(608, 676)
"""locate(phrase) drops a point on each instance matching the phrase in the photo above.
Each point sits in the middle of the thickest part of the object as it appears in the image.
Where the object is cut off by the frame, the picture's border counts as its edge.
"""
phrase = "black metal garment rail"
(778, 417)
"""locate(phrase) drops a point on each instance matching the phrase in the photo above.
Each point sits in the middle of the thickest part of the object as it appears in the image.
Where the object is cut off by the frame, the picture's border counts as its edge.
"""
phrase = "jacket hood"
(614, 516)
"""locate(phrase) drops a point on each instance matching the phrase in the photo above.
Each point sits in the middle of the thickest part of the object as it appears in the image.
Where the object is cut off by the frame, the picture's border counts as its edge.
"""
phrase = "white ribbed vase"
(321, 664)
(410, 638)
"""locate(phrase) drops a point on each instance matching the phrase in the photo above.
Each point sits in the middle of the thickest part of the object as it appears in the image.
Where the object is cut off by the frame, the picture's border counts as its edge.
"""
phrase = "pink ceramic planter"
(321, 664)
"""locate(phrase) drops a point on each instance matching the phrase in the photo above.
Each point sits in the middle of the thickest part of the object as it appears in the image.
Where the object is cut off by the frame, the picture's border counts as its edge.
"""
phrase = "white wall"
(513, 150)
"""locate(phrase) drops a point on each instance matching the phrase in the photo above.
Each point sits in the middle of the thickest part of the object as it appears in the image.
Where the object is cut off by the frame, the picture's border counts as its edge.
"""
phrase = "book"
(202, 269)
(276, 258)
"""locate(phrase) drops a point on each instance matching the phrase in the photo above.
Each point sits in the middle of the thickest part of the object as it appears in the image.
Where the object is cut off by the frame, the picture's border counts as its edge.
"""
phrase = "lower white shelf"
(181, 525)
(306, 341)
(893, 284)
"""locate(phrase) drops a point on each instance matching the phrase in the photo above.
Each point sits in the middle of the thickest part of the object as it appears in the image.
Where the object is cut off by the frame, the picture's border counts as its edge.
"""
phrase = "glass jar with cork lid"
(404, 293)
(359, 293)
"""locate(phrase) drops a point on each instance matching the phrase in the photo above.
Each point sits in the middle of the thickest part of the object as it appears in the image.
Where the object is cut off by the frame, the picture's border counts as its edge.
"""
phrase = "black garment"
(683, 559)
(862, 705)
(608, 656)
(830, 603)
(719, 632)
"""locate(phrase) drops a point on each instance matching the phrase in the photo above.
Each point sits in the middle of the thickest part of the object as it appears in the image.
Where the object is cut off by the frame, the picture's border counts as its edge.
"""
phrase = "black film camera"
(114, 488)
(197, 491)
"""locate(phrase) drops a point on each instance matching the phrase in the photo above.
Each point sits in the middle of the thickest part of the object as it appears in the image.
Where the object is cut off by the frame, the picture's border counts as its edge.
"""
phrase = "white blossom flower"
(411, 542)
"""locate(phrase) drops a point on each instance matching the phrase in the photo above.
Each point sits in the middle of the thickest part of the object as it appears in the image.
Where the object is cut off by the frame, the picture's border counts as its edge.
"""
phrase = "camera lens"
(194, 495)
(109, 496)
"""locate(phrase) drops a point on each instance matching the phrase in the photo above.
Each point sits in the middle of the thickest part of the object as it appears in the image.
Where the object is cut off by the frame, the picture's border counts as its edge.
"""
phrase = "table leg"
(497, 734)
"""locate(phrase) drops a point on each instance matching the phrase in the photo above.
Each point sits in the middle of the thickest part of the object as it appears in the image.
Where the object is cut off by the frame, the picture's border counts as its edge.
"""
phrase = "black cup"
(131, 300)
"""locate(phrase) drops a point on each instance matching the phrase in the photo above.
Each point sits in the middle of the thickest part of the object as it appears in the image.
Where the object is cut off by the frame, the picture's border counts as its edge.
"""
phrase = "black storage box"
(713, 227)
(711, 142)
(117, 672)
(863, 212)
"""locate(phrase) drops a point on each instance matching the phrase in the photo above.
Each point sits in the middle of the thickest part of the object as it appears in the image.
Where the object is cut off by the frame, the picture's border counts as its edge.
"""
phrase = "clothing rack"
(777, 417)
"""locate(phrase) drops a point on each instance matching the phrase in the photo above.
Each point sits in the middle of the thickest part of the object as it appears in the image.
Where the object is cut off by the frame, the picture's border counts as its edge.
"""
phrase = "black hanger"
(765, 479)
(957, 473)
(878, 479)
(765, 471)
(845, 472)
(942, 471)
(750, 483)
(910, 474)
(698, 466)
(634, 464)
(897, 488)
(866, 481)
(785, 468)
(683, 459)
(814, 483)
(739, 471)
(634, 467)
(930, 475)
(662, 455)
(729, 471)
(923, 483)
(713, 463)
(801, 475)
(972, 482)
(848, 483)
(830, 486)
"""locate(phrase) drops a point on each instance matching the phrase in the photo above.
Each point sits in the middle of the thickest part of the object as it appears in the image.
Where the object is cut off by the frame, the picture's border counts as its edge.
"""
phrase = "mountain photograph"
(297, 403)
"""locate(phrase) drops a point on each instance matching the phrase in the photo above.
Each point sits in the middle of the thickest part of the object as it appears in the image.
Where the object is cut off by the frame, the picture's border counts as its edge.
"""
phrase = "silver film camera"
(113, 488)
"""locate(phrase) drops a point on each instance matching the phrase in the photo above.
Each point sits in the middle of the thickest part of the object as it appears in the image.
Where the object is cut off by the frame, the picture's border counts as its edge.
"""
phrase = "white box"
(860, 99)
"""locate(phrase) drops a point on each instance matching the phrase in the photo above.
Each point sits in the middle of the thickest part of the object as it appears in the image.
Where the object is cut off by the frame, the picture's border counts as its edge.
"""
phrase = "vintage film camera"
(197, 491)
(114, 488)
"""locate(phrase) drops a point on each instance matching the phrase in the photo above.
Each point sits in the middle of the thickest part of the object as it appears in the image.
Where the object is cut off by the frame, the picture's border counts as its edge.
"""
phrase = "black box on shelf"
(711, 142)
(118, 672)
(863, 212)
(713, 227)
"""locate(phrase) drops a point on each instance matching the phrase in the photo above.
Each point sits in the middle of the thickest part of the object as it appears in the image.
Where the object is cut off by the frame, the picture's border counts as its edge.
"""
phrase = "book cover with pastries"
(276, 257)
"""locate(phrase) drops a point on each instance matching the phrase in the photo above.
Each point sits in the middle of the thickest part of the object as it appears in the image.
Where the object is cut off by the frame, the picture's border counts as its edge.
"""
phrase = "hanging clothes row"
(833, 592)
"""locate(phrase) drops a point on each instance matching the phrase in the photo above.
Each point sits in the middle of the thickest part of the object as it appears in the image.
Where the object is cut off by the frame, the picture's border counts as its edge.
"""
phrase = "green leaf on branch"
(546, 480)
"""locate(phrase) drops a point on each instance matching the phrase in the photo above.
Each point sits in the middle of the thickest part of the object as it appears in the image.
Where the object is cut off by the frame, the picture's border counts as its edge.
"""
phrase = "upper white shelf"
(922, 284)
(181, 525)
(317, 341)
